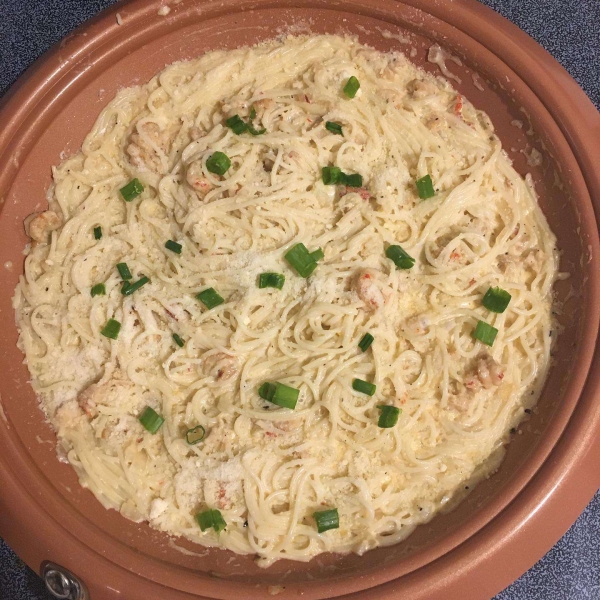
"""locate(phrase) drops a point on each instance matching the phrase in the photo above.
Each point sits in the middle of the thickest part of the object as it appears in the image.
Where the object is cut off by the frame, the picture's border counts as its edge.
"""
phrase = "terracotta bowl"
(551, 470)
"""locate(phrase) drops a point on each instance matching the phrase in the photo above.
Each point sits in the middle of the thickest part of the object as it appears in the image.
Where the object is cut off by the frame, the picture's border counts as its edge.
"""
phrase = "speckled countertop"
(570, 31)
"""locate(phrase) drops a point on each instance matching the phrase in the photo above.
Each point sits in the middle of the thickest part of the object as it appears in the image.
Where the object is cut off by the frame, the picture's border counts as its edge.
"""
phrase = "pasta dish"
(287, 299)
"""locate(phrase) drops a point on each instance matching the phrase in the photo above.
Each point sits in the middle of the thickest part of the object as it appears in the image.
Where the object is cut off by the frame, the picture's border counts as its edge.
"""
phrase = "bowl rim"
(567, 463)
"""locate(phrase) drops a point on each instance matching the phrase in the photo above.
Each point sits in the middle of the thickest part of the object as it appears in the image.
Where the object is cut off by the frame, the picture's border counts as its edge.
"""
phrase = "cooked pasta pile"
(104, 346)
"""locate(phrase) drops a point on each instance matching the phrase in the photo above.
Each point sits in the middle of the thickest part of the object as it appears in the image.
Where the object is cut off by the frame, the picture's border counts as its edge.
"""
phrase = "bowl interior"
(131, 55)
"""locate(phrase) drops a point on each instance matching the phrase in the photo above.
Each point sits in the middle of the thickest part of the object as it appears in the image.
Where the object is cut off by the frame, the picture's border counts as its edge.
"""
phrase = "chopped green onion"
(124, 271)
(97, 233)
(279, 393)
(318, 254)
(195, 435)
(301, 260)
(267, 390)
(98, 290)
(485, 333)
(111, 329)
(335, 176)
(354, 180)
(331, 175)
(211, 519)
(178, 340)
(334, 127)
(253, 113)
(210, 298)
(218, 163)
(366, 342)
(401, 259)
(253, 131)
(273, 280)
(425, 187)
(132, 190)
(496, 299)
(128, 288)
(364, 387)
(236, 124)
(151, 420)
(173, 246)
(351, 87)
(389, 416)
(327, 519)
(285, 396)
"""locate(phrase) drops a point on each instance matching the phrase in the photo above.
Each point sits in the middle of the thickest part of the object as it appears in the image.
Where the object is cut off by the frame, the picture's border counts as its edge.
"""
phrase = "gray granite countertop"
(570, 31)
